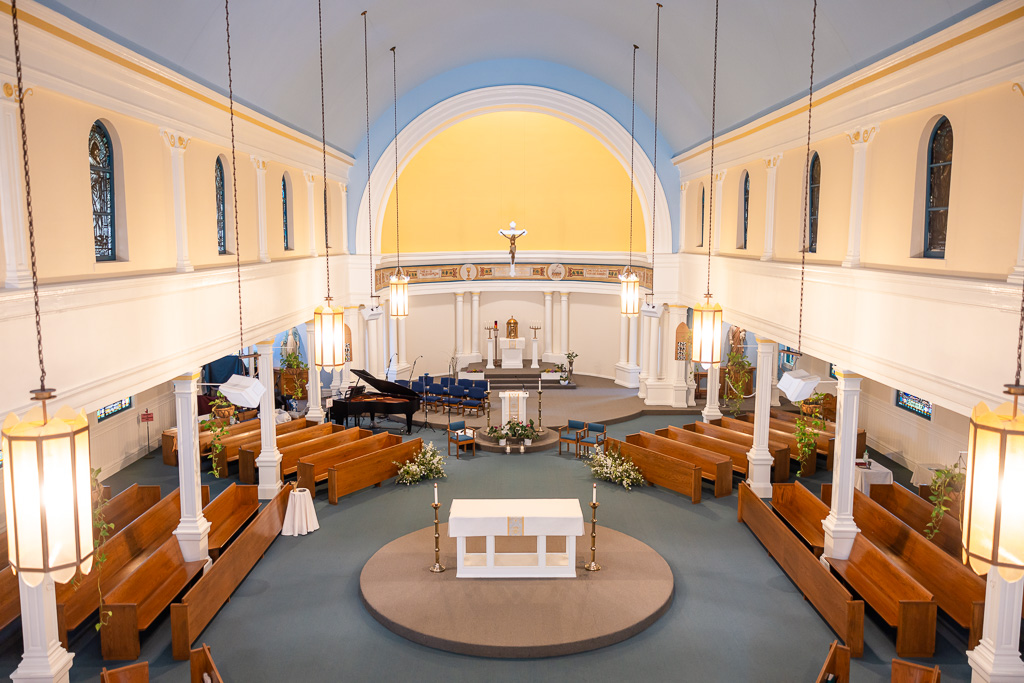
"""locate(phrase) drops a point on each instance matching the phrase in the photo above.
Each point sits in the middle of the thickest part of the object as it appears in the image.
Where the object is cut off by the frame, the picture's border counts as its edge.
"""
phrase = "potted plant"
(946, 486)
(293, 374)
(221, 407)
(498, 433)
(737, 373)
(563, 377)
(528, 432)
(514, 429)
(570, 357)
(808, 427)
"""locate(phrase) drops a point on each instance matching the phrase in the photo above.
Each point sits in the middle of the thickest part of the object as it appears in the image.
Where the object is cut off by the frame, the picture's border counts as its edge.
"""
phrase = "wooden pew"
(231, 444)
(958, 591)
(830, 428)
(125, 507)
(143, 596)
(200, 663)
(169, 437)
(916, 512)
(201, 603)
(366, 470)
(825, 443)
(779, 451)
(290, 455)
(803, 511)
(833, 602)
(312, 468)
(837, 665)
(908, 672)
(228, 513)
(807, 468)
(714, 467)
(900, 600)
(250, 450)
(133, 673)
(661, 470)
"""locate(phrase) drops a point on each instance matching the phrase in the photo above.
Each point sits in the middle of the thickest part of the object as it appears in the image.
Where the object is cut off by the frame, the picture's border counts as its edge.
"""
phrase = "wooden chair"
(570, 434)
(457, 435)
(594, 437)
(133, 673)
(908, 672)
(837, 665)
(434, 398)
(200, 663)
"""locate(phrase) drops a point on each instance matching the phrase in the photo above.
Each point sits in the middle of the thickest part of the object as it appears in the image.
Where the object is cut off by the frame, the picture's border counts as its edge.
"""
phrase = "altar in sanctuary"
(512, 352)
(513, 405)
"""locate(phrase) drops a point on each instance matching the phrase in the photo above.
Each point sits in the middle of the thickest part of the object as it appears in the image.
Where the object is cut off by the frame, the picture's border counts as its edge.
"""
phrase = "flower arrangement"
(497, 432)
(514, 429)
(427, 464)
(564, 373)
(614, 467)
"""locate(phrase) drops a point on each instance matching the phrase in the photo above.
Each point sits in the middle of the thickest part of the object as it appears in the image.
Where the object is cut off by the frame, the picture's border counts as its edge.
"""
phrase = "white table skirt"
(864, 477)
(500, 517)
(300, 516)
(923, 473)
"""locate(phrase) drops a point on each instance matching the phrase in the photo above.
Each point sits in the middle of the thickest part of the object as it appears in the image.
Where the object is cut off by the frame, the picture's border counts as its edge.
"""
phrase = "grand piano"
(392, 399)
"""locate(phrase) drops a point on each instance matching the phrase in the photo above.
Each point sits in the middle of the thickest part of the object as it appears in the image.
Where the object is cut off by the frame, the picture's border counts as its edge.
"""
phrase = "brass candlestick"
(540, 411)
(593, 566)
(534, 328)
(488, 402)
(438, 567)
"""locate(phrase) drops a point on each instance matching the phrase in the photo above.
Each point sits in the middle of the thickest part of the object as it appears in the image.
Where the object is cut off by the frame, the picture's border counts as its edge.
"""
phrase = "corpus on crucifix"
(511, 234)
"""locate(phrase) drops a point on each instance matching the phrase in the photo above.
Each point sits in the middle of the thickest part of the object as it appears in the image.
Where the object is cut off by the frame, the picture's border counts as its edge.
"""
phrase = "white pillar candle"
(538, 384)
(435, 494)
(595, 494)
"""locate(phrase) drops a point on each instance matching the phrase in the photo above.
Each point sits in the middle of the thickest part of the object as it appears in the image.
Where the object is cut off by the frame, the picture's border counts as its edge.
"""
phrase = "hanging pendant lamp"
(374, 310)
(47, 477)
(399, 283)
(649, 308)
(630, 283)
(707, 317)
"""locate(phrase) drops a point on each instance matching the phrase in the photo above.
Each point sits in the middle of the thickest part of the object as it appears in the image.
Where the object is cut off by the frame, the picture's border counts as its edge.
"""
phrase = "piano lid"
(384, 386)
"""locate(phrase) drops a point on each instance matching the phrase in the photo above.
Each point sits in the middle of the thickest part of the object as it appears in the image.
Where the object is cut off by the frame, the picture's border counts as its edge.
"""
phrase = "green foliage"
(219, 430)
(294, 361)
(497, 432)
(560, 367)
(220, 401)
(808, 429)
(514, 429)
(736, 376)
(944, 483)
(614, 467)
(103, 531)
(427, 464)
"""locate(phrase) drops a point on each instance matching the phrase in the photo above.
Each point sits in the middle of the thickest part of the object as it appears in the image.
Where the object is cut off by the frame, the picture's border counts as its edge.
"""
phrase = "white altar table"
(516, 517)
(512, 352)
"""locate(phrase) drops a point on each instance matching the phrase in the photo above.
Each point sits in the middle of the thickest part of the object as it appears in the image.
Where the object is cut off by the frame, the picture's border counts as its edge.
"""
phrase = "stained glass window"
(348, 352)
(113, 409)
(222, 228)
(832, 370)
(940, 166)
(746, 207)
(813, 202)
(915, 405)
(681, 351)
(101, 172)
(701, 243)
(284, 212)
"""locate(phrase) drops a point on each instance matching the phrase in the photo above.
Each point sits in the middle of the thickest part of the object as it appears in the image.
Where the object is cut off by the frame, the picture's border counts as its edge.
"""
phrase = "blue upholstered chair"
(434, 397)
(446, 381)
(480, 384)
(592, 438)
(417, 387)
(475, 400)
(466, 383)
(454, 397)
(402, 383)
(457, 436)
(571, 434)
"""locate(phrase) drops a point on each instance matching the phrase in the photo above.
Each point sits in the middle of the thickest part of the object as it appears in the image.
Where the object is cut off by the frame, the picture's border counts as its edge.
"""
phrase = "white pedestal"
(533, 343)
(512, 352)
(513, 405)
(490, 353)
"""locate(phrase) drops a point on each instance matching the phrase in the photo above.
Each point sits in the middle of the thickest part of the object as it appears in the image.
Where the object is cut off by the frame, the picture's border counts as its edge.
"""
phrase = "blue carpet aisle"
(298, 615)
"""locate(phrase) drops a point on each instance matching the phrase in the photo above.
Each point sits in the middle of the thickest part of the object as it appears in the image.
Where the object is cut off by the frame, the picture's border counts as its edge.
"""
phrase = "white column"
(682, 214)
(460, 327)
(1018, 270)
(13, 225)
(633, 341)
(759, 459)
(771, 164)
(654, 369)
(564, 310)
(261, 204)
(311, 209)
(403, 354)
(178, 143)
(549, 329)
(776, 394)
(373, 348)
(719, 181)
(642, 343)
(859, 138)
(315, 411)
(269, 461)
(44, 658)
(996, 659)
(193, 530)
(840, 529)
(623, 339)
(474, 327)
(342, 247)
(711, 410)
(393, 358)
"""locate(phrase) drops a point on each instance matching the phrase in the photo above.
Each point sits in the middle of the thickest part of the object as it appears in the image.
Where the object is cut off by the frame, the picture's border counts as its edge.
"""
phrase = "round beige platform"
(516, 618)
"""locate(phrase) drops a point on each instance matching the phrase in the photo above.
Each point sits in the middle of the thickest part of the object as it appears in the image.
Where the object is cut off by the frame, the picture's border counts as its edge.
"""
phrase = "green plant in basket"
(808, 429)
(945, 483)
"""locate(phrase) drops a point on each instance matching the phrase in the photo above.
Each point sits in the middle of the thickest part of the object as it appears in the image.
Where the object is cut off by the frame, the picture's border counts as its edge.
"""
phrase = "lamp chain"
(714, 100)
(654, 204)
(234, 180)
(398, 244)
(369, 193)
(807, 186)
(1020, 337)
(20, 95)
(632, 144)
(323, 144)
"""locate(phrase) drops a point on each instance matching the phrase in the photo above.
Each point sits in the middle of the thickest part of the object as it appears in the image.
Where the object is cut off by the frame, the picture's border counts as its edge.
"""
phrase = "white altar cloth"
(516, 517)
(512, 352)
(513, 405)
(300, 515)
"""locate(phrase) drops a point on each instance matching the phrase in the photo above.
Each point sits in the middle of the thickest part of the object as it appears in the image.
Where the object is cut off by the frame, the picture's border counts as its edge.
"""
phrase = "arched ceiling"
(763, 49)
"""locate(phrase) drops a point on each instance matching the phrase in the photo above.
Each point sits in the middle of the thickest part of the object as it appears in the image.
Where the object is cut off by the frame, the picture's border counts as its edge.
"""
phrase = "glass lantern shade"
(707, 333)
(48, 497)
(329, 336)
(993, 518)
(399, 291)
(630, 293)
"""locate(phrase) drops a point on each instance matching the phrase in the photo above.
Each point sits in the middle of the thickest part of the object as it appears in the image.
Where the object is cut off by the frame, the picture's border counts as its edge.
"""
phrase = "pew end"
(908, 672)
(133, 673)
(201, 662)
(837, 665)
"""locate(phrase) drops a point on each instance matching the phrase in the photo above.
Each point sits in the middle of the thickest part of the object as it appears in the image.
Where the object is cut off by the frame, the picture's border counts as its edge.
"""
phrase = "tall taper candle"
(435, 493)
(594, 500)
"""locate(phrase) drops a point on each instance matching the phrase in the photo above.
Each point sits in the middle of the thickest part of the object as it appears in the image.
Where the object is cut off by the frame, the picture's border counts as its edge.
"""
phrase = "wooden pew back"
(368, 470)
(803, 511)
(125, 507)
(660, 469)
(807, 468)
(916, 512)
(233, 444)
(328, 435)
(908, 672)
(714, 466)
(313, 468)
(830, 427)
(310, 431)
(229, 512)
(133, 673)
(779, 451)
(169, 437)
(735, 452)
(837, 665)
(201, 662)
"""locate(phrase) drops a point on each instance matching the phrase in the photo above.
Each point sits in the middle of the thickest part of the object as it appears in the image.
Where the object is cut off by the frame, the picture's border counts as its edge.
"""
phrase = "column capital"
(259, 163)
(720, 175)
(549, 293)
(683, 186)
(772, 162)
(761, 340)
(565, 295)
(9, 94)
(174, 139)
(308, 176)
(266, 342)
(344, 188)
(188, 377)
(848, 375)
(476, 295)
(861, 135)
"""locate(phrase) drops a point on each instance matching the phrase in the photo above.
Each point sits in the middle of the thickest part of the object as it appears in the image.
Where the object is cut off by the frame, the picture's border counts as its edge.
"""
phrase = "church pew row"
(200, 604)
(661, 470)
(908, 672)
(357, 473)
(778, 450)
(825, 443)
(169, 437)
(228, 513)
(253, 446)
(916, 512)
(834, 603)
(830, 428)
(713, 466)
(803, 511)
(733, 450)
(837, 665)
(807, 468)
(290, 455)
(201, 664)
(312, 468)
(231, 444)
(133, 673)
(958, 591)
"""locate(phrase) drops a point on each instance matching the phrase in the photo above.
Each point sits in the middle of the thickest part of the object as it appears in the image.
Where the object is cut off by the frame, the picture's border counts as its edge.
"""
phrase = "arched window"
(813, 203)
(284, 213)
(701, 243)
(940, 166)
(222, 227)
(746, 207)
(101, 174)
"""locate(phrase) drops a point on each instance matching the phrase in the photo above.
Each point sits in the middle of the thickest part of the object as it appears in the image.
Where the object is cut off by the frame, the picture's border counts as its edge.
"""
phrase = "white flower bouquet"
(614, 467)
(427, 464)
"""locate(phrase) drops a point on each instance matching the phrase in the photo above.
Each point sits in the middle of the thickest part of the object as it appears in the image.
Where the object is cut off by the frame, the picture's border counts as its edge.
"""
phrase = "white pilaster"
(626, 370)
(549, 329)
(711, 409)
(759, 458)
(771, 164)
(44, 660)
(840, 529)
(342, 246)
(643, 336)
(654, 354)
(1018, 270)
(373, 351)
(460, 327)
(564, 331)
(719, 181)
(392, 363)
(194, 529)
(403, 353)
(310, 209)
(474, 328)
(859, 138)
(996, 659)
(261, 204)
(178, 143)
(682, 213)
(634, 341)
(776, 394)
(269, 461)
(13, 225)
(315, 412)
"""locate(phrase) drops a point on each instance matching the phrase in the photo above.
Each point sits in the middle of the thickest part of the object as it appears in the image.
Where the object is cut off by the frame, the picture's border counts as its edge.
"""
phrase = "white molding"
(523, 256)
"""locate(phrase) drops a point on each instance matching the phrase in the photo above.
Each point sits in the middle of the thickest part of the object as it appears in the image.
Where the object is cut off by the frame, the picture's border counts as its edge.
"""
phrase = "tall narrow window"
(746, 208)
(222, 228)
(940, 165)
(284, 213)
(101, 172)
(701, 243)
(813, 202)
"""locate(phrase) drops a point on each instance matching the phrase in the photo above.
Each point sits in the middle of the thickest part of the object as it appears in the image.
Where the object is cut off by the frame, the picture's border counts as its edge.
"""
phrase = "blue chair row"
(582, 435)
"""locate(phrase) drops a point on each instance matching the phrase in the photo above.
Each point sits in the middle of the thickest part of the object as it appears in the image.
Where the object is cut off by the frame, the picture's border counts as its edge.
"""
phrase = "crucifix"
(511, 234)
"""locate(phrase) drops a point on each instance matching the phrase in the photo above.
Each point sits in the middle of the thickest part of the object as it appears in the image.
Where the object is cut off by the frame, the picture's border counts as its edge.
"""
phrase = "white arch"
(527, 98)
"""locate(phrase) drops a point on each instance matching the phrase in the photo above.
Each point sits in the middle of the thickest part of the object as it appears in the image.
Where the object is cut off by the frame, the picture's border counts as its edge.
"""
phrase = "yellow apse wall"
(552, 178)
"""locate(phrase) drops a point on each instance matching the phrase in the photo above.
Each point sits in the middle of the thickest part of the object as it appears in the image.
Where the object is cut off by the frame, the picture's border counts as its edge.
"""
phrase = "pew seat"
(714, 467)
(312, 469)
(228, 513)
(803, 511)
(355, 473)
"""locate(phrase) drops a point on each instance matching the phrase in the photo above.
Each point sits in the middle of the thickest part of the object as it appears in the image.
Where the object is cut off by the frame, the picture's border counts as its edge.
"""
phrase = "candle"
(435, 493)
(538, 384)
(595, 492)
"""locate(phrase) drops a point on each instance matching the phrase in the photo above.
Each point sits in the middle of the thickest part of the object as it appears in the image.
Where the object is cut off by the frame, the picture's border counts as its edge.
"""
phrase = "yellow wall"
(552, 178)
